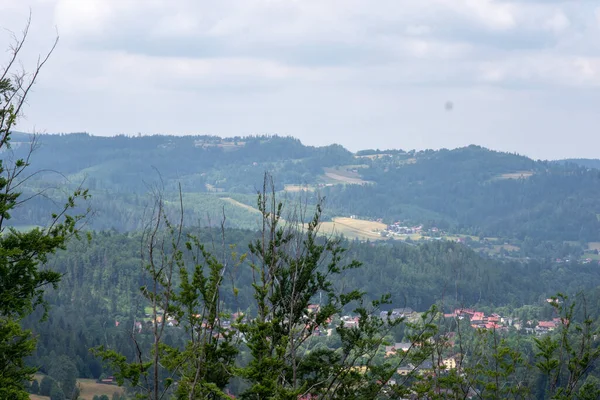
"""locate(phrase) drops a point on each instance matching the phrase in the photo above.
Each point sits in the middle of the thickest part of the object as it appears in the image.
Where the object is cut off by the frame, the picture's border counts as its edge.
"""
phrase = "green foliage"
(291, 267)
(565, 359)
(497, 370)
(15, 344)
(202, 367)
(64, 372)
(46, 386)
(22, 281)
(56, 393)
(35, 387)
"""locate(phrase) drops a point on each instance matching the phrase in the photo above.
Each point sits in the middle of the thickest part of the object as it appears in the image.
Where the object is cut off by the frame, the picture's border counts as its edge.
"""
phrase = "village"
(476, 319)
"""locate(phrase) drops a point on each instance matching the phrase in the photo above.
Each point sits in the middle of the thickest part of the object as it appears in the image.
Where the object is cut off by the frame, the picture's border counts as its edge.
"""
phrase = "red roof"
(547, 324)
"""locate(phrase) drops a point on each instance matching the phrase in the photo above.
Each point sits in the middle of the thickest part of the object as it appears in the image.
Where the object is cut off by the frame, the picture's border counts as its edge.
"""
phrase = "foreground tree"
(298, 289)
(183, 295)
(298, 293)
(566, 358)
(22, 280)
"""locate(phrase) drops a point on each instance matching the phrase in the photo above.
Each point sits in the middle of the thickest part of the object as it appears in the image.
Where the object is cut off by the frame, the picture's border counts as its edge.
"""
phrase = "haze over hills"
(471, 190)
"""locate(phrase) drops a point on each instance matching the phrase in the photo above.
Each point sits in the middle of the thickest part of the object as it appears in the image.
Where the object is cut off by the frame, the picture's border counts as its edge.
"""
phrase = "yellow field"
(594, 246)
(353, 228)
(344, 179)
(298, 188)
(516, 175)
(90, 388)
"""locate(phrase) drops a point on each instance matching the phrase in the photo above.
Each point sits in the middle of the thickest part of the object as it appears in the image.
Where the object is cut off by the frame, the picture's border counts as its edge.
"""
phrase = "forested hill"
(469, 190)
(584, 162)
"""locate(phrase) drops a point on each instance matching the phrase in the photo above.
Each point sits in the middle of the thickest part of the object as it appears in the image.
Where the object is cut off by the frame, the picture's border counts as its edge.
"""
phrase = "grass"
(242, 205)
(89, 388)
(508, 247)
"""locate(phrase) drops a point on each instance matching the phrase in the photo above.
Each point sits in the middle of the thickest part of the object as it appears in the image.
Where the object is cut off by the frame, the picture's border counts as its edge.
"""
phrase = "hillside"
(471, 190)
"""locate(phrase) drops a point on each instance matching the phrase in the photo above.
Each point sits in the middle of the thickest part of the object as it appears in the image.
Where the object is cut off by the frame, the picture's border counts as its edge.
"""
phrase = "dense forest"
(99, 301)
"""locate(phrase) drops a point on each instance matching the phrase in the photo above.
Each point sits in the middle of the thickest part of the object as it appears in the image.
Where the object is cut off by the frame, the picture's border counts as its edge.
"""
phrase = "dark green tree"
(64, 372)
(56, 393)
(46, 386)
(35, 387)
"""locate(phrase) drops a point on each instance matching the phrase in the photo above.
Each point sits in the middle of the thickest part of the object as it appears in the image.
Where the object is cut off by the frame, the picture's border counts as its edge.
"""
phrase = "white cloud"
(321, 65)
(558, 22)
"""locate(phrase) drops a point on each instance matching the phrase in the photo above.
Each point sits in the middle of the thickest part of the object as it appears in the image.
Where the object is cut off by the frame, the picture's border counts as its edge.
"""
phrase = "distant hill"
(471, 190)
(583, 162)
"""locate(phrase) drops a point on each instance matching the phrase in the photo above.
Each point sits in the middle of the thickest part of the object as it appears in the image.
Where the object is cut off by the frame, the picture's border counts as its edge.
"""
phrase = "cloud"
(318, 68)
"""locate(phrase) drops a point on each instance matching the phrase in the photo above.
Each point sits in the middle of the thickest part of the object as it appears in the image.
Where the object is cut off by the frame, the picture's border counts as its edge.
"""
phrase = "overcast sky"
(522, 75)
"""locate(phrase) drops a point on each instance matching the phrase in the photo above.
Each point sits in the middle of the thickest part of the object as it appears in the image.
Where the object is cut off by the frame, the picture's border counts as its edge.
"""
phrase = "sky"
(522, 75)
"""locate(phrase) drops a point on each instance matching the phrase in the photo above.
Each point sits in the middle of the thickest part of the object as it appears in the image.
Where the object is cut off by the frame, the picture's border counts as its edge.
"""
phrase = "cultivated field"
(594, 246)
(516, 175)
(298, 188)
(90, 388)
(342, 175)
(353, 228)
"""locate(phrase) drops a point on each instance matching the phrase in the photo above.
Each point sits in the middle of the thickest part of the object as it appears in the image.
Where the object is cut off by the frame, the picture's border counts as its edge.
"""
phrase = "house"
(449, 363)
(313, 308)
(349, 322)
(395, 348)
(478, 317)
(109, 380)
(396, 313)
(494, 318)
(546, 326)
(425, 367)
(405, 370)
